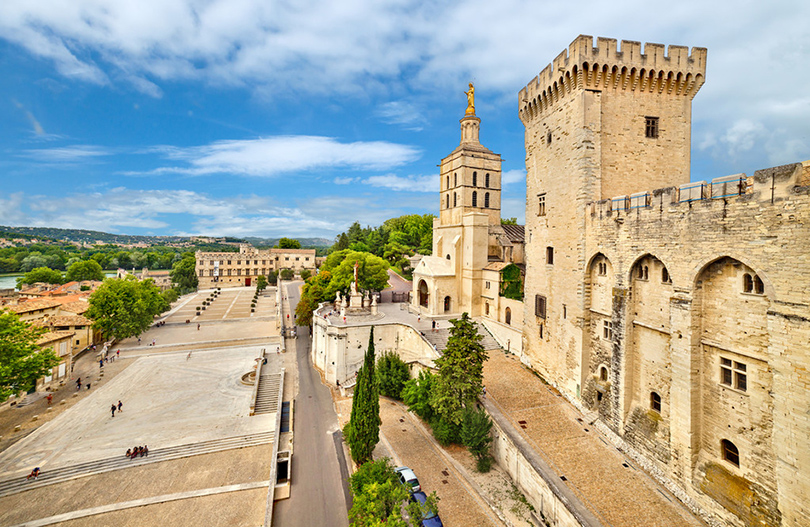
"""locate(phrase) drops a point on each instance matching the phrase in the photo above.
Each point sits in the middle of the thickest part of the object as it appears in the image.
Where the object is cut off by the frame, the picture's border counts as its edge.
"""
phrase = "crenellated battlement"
(766, 187)
(606, 66)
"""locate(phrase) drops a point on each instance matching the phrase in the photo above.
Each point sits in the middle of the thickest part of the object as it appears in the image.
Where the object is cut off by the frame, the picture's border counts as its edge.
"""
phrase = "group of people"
(141, 451)
(119, 407)
(79, 384)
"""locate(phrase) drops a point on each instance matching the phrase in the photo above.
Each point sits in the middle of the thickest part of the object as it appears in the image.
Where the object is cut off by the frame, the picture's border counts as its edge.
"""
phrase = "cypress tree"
(362, 432)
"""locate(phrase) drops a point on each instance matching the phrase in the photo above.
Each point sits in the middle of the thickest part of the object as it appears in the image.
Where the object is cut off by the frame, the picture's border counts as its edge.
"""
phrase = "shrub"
(392, 374)
(475, 435)
(416, 394)
(446, 432)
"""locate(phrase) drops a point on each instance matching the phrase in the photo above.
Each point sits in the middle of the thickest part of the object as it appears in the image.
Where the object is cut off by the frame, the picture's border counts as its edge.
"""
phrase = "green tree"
(170, 295)
(416, 394)
(184, 274)
(261, 283)
(287, 274)
(461, 371)
(509, 221)
(362, 432)
(303, 311)
(22, 362)
(41, 274)
(272, 277)
(33, 261)
(372, 271)
(305, 274)
(288, 243)
(377, 494)
(84, 270)
(475, 435)
(392, 374)
(122, 308)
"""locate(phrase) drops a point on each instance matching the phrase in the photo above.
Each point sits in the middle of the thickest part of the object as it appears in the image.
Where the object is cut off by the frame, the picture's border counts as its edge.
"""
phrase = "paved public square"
(209, 460)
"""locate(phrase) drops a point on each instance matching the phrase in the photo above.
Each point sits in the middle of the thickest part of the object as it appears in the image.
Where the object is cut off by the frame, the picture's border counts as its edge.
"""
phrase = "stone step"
(61, 474)
(440, 337)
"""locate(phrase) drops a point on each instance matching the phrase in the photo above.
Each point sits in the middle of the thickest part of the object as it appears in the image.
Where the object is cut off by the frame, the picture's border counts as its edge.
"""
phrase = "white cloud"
(402, 113)
(276, 155)
(513, 176)
(405, 183)
(33, 120)
(345, 180)
(67, 154)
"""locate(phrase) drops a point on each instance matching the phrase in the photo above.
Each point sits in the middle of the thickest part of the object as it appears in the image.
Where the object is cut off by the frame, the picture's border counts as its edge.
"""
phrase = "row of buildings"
(676, 311)
(232, 269)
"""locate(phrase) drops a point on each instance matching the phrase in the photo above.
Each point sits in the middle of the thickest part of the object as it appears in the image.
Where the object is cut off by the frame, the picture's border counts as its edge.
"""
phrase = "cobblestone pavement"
(608, 483)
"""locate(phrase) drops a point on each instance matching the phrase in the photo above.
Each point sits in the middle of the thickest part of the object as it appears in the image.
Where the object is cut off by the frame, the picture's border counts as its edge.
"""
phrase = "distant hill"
(305, 242)
(93, 237)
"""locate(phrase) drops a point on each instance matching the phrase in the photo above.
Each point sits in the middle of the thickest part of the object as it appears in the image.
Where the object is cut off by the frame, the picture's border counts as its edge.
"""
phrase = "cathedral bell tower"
(470, 177)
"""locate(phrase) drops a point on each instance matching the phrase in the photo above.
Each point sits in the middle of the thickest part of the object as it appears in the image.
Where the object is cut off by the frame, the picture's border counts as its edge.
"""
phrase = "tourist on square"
(120, 406)
(129, 452)
(79, 383)
(49, 398)
(34, 473)
(113, 409)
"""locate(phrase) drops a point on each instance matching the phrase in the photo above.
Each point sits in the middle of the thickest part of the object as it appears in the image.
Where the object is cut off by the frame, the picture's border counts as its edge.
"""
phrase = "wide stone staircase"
(267, 393)
(61, 474)
(439, 338)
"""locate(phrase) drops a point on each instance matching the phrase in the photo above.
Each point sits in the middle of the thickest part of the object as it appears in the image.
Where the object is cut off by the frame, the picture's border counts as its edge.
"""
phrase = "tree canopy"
(288, 243)
(372, 272)
(394, 239)
(461, 371)
(362, 432)
(84, 270)
(122, 308)
(41, 274)
(184, 274)
(22, 362)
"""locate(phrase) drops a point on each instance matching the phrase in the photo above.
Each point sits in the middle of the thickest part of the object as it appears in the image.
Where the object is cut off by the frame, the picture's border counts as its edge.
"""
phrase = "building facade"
(232, 269)
(471, 248)
(677, 311)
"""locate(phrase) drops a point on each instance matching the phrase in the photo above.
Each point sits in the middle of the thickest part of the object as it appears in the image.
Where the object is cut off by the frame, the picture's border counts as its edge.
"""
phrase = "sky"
(296, 118)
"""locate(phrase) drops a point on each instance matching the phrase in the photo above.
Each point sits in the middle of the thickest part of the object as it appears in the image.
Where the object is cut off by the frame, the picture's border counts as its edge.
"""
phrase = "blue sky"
(295, 118)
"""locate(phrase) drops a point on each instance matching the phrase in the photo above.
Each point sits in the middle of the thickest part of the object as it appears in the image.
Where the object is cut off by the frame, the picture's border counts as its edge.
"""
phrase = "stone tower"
(599, 123)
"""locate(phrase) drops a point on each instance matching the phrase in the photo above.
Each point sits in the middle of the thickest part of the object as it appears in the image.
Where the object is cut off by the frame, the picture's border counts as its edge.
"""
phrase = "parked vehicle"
(430, 519)
(408, 478)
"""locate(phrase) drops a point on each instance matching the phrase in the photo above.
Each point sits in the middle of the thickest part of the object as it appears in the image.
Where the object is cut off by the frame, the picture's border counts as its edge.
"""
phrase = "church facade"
(677, 312)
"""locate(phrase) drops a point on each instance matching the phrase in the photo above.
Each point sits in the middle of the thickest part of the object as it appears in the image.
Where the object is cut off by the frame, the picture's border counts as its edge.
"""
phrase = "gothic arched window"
(486, 200)
(486, 181)
(475, 199)
(475, 179)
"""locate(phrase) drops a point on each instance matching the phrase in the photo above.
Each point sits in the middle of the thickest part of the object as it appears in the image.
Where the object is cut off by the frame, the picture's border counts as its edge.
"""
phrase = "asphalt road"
(319, 494)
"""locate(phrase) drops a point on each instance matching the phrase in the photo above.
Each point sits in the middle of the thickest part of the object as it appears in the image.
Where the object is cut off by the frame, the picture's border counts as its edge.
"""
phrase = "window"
(607, 330)
(447, 202)
(255, 262)
(448, 181)
(508, 316)
(306, 259)
(487, 285)
(486, 200)
(455, 196)
(287, 258)
(486, 307)
(238, 262)
(643, 272)
(448, 256)
(665, 276)
(212, 262)
(730, 452)
(733, 374)
(455, 179)
(297, 258)
(601, 268)
(475, 199)
(748, 283)
(486, 181)
(475, 179)
(201, 272)
(565, 312)
(540, 306)
(550, 255)
(229, 262)
(651, 127)
(229, 272)
(655, 402)
(759, 287)
(603, 374)
(264, 262)
(541, 205)
(238, 272)
(541, 330)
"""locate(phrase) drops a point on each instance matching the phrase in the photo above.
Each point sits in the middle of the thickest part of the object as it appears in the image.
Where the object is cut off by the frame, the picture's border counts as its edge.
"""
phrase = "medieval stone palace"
(675, 312)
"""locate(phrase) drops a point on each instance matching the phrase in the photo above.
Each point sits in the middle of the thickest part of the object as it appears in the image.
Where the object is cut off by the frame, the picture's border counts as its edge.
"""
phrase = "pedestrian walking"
(120, 406)
(154, 342)
(79, 383)
(112, 409)
(419, 318)
(100, 363)
(118, 353)
(198, 327)
(49, 398)
(139, 341)
(34, 474)
(433, 324)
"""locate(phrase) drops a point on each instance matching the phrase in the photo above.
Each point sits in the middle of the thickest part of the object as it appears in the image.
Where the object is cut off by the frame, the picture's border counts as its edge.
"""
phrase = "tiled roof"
(53, 336)
(33, 305)
(65, 320)
(515, 233)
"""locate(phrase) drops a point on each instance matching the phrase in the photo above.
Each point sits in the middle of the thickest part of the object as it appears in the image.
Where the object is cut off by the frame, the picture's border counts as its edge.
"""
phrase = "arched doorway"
(508, 316)
(446, 304)
(423, 294)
